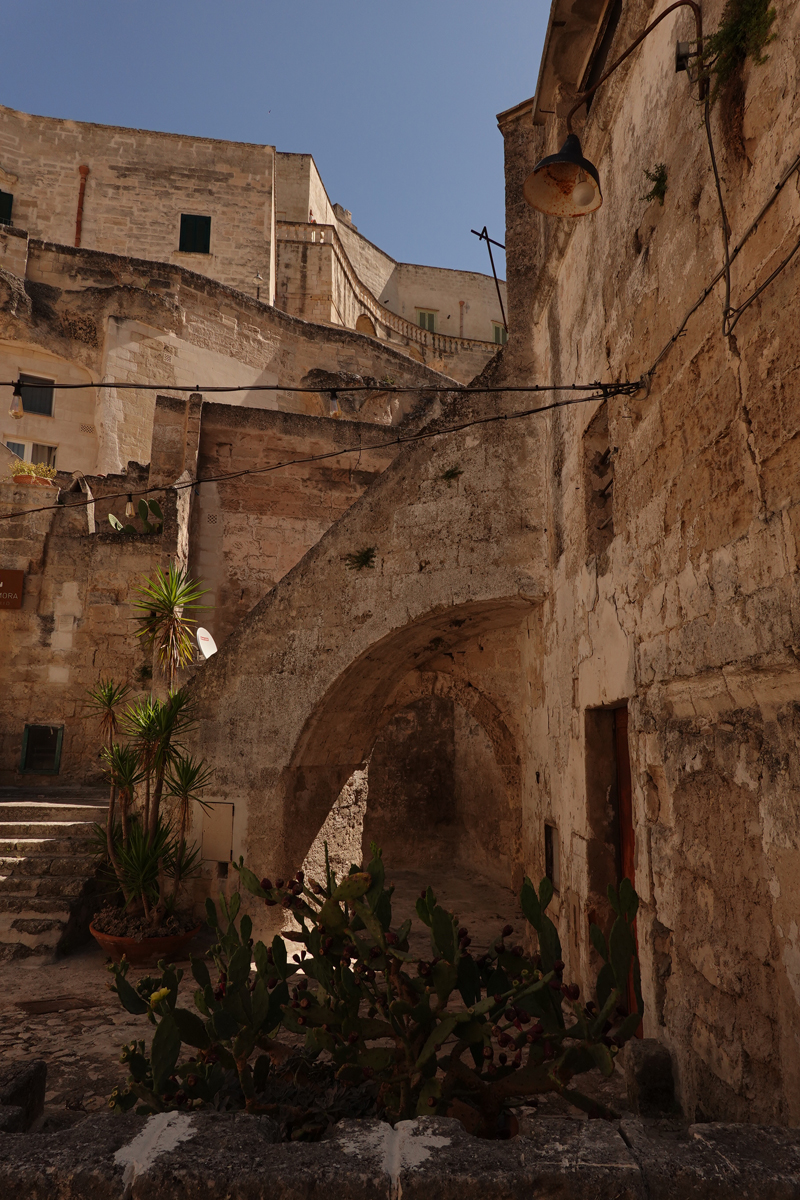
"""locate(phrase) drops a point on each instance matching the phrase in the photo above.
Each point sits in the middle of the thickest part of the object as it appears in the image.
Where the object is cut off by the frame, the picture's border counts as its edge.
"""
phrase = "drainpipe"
(461, 319)
(79, 219)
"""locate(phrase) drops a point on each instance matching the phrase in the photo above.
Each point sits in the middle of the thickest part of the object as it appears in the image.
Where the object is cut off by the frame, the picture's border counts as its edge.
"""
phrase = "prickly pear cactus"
(453, 1035)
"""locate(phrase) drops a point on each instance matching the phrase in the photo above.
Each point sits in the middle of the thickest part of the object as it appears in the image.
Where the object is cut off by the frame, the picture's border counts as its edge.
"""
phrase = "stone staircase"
(47, 868)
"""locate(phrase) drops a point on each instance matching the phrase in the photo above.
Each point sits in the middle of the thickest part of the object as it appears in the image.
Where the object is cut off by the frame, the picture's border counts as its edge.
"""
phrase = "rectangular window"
(427, 320)
(195, 234)
(41, 749)
(43, 454)
(552, 857)
(37, 395)
(500, 333)
(6, 201)
(17, 448)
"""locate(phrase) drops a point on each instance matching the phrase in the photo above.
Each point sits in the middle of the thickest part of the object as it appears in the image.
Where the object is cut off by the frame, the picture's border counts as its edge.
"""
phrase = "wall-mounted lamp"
(16, 410)
(258, 280)
(567, 184)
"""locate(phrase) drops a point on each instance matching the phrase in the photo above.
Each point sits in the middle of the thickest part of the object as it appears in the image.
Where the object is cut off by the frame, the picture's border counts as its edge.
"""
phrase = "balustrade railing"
(326, 235)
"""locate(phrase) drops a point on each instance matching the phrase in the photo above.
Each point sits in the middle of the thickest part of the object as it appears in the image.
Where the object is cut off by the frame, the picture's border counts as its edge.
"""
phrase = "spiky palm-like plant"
(185, 780)
(106, 697)
(124, 773)
(165, 600)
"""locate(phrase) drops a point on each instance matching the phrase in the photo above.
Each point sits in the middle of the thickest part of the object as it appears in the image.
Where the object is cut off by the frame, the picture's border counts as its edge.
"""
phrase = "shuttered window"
(37, 395)
(41, 749)
(195, 234)
(427, 320)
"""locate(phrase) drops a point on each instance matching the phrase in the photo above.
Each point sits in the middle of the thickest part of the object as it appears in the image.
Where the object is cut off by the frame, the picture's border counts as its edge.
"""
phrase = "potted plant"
(26, 473)
(153, 785)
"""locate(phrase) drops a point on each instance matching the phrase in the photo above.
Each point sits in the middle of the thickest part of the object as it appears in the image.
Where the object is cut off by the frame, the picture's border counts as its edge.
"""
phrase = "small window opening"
(552, 857)
(41, 749)
(6, 202)
(427, 319)
(222, 870)
(500, 333)
(37, 395)
(598, 484)
(195, 234)
(17, 448)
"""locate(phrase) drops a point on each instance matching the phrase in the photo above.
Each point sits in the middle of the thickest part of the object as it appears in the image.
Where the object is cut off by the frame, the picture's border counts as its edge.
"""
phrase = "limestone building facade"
(583, 619)
(153, 211)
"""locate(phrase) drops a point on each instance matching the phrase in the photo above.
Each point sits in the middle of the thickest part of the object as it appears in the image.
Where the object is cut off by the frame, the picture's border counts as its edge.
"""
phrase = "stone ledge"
(174, 1156)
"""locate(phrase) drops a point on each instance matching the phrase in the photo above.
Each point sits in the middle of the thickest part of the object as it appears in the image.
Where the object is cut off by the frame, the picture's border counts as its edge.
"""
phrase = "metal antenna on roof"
(484, 237)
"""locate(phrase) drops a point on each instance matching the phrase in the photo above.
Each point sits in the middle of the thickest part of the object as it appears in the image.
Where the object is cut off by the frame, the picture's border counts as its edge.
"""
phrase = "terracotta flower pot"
(148, 950)
(32, 481)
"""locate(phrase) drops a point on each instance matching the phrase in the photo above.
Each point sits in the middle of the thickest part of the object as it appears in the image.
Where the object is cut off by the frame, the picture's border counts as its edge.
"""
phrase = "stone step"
(42, 885)
(25, 847)
(43, 829)
(47, 864)
(26, 812)
(30, 907)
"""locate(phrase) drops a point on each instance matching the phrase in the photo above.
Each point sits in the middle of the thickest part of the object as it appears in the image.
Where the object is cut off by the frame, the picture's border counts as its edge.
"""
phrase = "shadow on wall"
(431, 794)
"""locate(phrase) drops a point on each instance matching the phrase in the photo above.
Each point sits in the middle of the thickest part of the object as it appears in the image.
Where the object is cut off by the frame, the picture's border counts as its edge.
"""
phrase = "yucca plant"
(185, 780)
(106, 698)
(164, 604)
(124, 773)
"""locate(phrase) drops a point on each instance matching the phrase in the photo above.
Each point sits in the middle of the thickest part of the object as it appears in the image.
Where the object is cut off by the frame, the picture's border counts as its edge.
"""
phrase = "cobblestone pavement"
(82, 1027)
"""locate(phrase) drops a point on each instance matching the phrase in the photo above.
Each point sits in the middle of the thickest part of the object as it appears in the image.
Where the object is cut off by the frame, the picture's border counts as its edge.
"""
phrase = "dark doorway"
(609, 796)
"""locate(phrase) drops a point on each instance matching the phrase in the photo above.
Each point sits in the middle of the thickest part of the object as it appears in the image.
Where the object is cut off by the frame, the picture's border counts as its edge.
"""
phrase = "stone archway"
(341, 731)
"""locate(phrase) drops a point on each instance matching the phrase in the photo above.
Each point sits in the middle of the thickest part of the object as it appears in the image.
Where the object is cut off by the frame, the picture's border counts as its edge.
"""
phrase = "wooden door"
(627, 839)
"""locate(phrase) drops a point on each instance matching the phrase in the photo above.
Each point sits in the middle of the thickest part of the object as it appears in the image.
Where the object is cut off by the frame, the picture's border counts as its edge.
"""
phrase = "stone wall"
(246, 534)
(75, 623)
(80, 315)
(673, 553)
(132, 171)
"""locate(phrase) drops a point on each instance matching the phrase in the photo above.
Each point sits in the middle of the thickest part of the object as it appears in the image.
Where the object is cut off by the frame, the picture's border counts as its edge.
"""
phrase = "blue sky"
(396, 101)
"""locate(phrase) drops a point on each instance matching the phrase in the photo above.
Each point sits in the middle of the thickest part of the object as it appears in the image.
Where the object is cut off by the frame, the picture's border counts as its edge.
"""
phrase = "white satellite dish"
(205, 643)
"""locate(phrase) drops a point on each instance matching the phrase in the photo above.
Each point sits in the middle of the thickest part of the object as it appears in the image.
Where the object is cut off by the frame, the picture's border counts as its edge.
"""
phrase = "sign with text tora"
(11, 588)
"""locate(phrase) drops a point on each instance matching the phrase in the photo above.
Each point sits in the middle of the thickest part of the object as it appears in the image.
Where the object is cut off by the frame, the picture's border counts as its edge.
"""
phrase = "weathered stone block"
(22, 1088)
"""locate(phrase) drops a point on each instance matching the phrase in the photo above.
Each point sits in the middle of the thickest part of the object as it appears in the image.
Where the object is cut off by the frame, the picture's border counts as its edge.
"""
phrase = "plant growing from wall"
(146, 510)
(361, 559)
(658, 178)
(452, 473)
(164, 606)
(744, 32)
(454, 1034)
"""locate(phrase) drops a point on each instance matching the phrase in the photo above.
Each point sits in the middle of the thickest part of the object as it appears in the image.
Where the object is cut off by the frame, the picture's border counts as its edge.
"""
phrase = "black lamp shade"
(561, 183)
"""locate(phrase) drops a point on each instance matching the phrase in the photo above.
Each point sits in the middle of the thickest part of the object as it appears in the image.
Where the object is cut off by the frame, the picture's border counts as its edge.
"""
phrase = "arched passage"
(340, 732)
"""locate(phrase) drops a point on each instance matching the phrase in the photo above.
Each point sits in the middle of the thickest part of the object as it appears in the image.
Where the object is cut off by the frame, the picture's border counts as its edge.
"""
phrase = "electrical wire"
(465, 389)
(606, 391)
(730, 259)
(601, 390)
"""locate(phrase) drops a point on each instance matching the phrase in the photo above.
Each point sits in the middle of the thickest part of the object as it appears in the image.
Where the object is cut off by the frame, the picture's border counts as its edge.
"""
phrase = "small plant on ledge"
(31, 472)
(361, 559)
(658, 178)
(451, 473)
